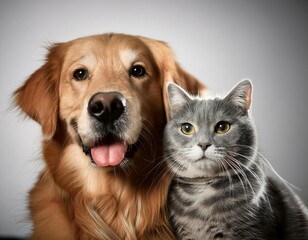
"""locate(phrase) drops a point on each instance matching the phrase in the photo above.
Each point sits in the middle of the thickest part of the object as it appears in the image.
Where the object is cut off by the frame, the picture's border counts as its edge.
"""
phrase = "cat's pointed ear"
(241, 95)
(177, 97)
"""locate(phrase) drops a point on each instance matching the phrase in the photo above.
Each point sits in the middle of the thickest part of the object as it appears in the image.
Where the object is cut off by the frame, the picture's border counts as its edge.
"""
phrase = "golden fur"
(73, 198)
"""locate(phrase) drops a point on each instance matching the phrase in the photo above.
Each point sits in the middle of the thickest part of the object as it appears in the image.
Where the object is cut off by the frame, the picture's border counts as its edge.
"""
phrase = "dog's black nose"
(107, 107)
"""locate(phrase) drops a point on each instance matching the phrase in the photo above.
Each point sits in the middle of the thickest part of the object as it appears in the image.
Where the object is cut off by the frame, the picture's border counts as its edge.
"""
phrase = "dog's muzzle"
(108, 111)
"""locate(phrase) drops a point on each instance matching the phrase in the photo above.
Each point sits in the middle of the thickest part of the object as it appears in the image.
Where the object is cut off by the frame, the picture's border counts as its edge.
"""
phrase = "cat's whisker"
(261, 182)
(269, 167)
(245, 175)
(231, 187)
(248, 168)
(164, 170)
(237, 171)
(174, 160)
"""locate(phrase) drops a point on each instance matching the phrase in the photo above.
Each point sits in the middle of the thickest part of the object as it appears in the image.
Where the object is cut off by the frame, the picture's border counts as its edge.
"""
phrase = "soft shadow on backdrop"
(220, 42)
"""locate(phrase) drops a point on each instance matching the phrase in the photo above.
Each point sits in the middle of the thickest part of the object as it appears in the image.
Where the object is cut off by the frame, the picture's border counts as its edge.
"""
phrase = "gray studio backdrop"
(220, 42)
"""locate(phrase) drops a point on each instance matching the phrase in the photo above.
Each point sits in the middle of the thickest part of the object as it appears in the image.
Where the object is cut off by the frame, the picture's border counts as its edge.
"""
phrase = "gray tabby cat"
(219, 188)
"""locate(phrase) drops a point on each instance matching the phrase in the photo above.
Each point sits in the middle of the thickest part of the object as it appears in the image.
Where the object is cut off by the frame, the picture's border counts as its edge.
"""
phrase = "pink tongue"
(109, 154)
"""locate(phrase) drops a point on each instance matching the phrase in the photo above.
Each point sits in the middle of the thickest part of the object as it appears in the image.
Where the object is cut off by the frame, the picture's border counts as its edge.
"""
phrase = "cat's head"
(208, 137)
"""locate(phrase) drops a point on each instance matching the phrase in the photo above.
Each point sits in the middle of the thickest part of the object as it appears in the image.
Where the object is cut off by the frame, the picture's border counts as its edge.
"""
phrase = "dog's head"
(105, 91)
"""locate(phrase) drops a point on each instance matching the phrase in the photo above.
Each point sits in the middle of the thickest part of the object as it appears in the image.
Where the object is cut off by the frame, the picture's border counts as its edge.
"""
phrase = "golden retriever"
(101, 103)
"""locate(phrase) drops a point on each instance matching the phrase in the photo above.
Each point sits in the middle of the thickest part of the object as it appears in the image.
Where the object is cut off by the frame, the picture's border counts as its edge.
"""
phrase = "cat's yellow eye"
(222, 127)
(188, 129)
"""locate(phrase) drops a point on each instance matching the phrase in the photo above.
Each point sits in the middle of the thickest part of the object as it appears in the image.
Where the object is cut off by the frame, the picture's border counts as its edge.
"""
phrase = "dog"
(102, 106)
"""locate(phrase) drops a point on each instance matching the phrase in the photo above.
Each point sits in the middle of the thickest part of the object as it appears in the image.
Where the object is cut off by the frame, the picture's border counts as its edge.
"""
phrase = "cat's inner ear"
(177, 97)
(241, 95)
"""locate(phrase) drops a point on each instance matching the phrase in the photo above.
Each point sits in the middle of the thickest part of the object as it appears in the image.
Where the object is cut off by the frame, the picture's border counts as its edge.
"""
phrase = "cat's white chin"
(202, 167)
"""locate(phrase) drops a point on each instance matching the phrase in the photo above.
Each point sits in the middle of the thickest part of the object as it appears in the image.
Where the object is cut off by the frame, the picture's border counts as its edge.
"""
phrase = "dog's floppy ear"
(171, 71)
(39, 96)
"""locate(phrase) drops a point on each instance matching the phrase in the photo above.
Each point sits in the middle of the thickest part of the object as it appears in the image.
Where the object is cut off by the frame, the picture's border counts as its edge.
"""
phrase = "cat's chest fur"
(197, 209)
(192, 195)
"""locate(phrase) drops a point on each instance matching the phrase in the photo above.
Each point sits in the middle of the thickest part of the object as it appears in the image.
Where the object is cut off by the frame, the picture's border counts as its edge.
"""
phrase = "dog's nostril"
(116, 108)
(96, 108)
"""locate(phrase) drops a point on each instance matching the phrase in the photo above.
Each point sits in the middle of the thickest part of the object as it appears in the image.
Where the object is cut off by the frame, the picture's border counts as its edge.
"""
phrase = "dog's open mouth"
(110, 151)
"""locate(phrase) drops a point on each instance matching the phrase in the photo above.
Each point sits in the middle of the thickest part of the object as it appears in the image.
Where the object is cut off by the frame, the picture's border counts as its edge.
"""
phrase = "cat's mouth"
(205, 159)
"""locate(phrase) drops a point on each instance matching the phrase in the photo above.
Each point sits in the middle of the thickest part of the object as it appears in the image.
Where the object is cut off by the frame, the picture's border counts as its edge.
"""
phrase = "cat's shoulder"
(281, 192)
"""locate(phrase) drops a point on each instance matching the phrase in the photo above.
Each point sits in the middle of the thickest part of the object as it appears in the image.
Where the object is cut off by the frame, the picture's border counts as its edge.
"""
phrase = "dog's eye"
(137, 71)
(80, 74)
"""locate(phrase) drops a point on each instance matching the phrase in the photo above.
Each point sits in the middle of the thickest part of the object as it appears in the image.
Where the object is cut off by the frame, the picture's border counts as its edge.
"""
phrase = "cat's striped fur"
(219, 189)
